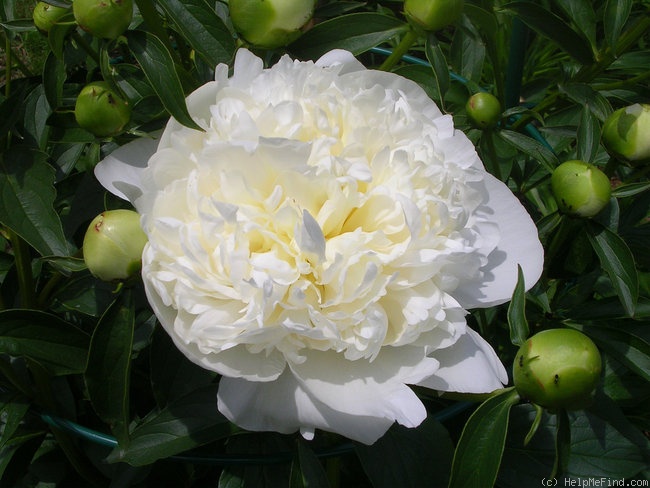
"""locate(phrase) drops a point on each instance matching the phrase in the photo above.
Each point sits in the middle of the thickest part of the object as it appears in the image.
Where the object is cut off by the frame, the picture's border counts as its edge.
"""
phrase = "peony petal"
(379, 386)
(284, 406)
(519, 244)
(470, 365)
(339, 57)
(121, 171)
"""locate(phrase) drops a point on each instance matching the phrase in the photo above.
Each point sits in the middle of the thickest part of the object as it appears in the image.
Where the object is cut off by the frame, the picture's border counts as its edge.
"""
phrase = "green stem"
(86, 47)
(402, 48)
(47, 290)
(24, 270)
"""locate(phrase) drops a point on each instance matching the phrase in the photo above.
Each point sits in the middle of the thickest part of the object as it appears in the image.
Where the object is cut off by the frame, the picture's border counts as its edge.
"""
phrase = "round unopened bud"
(113, 245)
(103, 18)
(433, 15)
(270, 24)
(626, 133)
(100, 110)
(557, 368)
(46, 15)
(483, 110)
(580, 188)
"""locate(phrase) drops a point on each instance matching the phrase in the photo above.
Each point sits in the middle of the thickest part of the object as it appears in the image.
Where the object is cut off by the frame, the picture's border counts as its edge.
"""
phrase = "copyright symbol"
(549, 482)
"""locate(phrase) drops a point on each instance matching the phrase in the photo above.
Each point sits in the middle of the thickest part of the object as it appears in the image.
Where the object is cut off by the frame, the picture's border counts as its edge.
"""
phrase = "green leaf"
(37, 111)
(356, 33)
(158, 66)
(56, 345)
(588, 140)
(615, 16)
(585, 95)
(628, 348)
(530, 147)
(630, 189)
(517, 312)
(562, 444)
(467, 52)
(203, 29)
(306, 470)
(553, 27)
(184, 424)
(12, 412)
(403, 456)
(438, 64)
(582, 14)
(27, 198)
(172, 374)
(617, 260)
(479, 450)
(107, 374)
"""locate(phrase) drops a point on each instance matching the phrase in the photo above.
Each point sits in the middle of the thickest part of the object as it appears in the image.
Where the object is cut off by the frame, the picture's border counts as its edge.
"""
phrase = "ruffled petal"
(379, 386)
(285, 406)
(121, 171)
(518, 244)
(470, 365)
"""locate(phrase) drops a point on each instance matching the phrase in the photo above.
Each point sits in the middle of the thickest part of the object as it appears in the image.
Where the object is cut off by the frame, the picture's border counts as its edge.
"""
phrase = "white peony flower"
(320, 242)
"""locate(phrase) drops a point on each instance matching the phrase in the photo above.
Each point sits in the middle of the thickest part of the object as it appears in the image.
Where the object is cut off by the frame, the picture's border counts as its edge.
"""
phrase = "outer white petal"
(368, 388)
(343, 58)
(284, 406)
(518, 244)
(121, 171)
(468, 366)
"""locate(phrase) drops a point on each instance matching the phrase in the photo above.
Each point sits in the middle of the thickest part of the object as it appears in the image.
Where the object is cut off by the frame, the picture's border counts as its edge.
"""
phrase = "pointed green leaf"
(56, 345)
(438, 64)
(356, 33)
(588, 140)
(617, 260)
(158, 66)
(107, 374)
(203, 29)
(184, 424)
(517, 312)
(553, 27)
(628, 348)
(26, 201)
(479, 450)
(615, 16)
(531, 147)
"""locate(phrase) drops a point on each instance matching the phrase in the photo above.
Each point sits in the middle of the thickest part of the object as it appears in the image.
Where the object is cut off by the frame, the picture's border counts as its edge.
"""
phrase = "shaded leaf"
(27, 198)
(588, 140)
(184, 424)
(615, 16)
(552, 26)
(107, 374)
(531, 147)
(479, 450)
(517, 312)
(356, 33)
(402, 457)
(56, 345)
(203, 29)
(617, 260)
(439, 65)
(306, 470)
(158, 66)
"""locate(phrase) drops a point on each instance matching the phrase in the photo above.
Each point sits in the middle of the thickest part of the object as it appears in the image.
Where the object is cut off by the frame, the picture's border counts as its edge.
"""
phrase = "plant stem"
(86, 47)
(24, 270)
(402, 48)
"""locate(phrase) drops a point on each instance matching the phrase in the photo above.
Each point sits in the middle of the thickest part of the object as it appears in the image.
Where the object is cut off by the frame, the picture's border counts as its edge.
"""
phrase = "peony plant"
(335, 263)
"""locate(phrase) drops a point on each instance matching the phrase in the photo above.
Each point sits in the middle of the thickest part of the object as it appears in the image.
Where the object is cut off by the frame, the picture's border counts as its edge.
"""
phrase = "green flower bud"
(113, 245)
(433, 15)
(101, 110)
(557, 368)
(626, 133)
(483, 110)
(103, 18)
(270, 24)
(580, 188)
(46, 15)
